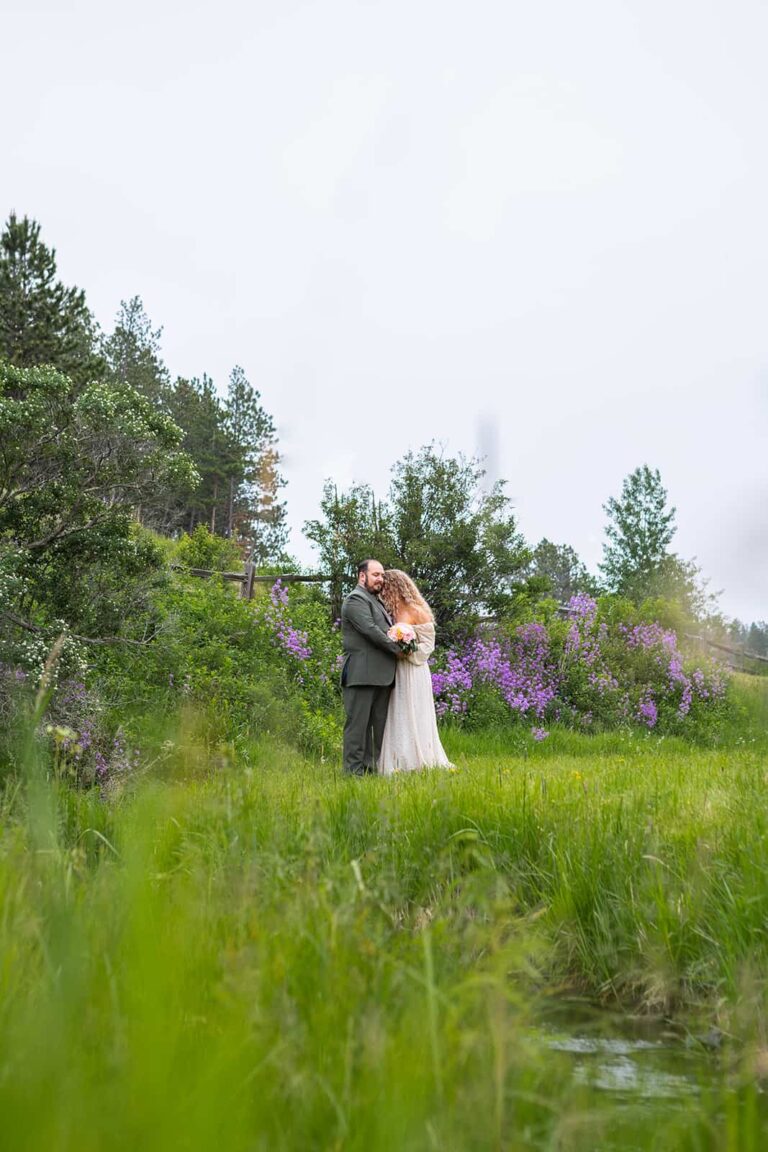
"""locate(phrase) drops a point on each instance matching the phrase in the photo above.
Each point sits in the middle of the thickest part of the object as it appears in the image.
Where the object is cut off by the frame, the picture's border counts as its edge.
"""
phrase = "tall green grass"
(243, 950)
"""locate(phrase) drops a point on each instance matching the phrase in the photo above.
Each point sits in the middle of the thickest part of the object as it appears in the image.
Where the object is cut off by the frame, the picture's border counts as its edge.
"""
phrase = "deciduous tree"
(561, 571)
(73, 469)
(459, 543)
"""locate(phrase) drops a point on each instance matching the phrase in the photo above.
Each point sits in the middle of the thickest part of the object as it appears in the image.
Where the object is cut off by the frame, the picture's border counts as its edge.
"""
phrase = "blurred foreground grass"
(253, 953)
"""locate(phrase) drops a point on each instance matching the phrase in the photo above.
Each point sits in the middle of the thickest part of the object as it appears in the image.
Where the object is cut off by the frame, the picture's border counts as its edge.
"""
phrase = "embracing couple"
(386, 682)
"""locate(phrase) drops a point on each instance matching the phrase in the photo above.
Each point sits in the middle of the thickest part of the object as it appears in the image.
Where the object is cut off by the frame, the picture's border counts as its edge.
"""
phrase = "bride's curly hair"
(399, 590)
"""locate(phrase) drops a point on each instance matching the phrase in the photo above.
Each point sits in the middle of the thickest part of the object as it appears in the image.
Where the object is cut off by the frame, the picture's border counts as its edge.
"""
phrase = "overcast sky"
(536, 229)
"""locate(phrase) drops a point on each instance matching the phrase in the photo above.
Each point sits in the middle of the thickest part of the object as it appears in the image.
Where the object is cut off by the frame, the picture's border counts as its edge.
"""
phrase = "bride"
(410, 737)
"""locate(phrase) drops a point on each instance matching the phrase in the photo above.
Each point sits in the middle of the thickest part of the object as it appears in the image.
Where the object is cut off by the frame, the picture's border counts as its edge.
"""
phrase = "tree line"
(100, 441)
(234, 486)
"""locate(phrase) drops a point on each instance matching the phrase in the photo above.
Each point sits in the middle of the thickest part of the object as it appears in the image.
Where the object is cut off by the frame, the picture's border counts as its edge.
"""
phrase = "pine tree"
(256, 516)
(234, 446)
(269, 529)
(637, 562)
(42, 321)
(133, 356)
(196, 407)
(639, 530)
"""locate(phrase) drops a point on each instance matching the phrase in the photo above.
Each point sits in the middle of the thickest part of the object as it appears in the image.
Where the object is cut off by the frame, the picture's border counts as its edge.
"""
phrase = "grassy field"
(245, 951)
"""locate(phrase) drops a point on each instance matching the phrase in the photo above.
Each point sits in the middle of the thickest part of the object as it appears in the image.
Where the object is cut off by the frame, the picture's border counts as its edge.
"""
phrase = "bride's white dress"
(411, 739)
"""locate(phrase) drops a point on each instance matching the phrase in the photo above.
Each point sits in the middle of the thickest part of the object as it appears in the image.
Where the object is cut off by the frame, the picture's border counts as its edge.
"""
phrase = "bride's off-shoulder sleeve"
(426, 638)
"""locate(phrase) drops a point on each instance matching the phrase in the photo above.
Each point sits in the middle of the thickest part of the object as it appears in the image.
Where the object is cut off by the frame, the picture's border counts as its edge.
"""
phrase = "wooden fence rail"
(248, 578)
(738, 657)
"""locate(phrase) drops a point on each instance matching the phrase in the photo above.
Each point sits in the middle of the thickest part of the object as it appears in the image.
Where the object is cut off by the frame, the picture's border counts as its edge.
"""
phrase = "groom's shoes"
(360, 770)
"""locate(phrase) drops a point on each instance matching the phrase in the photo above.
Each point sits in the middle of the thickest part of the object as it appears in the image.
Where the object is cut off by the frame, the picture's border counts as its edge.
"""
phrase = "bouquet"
(404, 636)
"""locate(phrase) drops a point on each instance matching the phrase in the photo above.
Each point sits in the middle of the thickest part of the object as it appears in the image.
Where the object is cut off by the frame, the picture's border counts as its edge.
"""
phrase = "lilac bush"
(602, 667)
(519, 670)
(677, 690)
(599, 668)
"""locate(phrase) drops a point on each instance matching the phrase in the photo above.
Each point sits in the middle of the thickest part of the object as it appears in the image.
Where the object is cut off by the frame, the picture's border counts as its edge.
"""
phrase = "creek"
(645, 1075)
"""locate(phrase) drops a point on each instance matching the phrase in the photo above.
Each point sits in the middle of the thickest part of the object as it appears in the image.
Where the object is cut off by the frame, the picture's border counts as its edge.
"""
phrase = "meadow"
(208, 937)
(236, 947)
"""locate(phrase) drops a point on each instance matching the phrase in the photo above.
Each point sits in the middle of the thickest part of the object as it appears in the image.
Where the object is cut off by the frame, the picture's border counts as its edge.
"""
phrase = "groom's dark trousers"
(370, 661)
(366, 709)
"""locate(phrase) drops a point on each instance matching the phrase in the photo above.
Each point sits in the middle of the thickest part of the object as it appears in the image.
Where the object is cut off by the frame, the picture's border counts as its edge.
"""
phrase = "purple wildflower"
(647, 712)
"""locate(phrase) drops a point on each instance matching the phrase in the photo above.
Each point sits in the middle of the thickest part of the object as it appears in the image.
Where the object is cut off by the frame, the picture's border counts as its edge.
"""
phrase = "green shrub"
(268, 666)
(201, 549)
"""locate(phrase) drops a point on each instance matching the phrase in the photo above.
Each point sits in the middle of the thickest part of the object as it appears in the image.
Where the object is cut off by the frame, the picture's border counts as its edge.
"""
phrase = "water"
(645, 1083)
(633, 1055)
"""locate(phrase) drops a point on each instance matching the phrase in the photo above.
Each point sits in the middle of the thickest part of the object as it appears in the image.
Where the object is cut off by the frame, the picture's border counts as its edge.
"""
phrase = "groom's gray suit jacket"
(370, 657)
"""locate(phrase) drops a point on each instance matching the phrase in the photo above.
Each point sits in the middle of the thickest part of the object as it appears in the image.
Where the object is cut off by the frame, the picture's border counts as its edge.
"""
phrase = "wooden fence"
(248, 579)
(738, 658)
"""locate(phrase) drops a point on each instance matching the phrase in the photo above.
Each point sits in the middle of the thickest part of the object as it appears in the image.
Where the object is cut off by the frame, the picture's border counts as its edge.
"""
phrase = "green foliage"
(102, 582)
(668, 613)
(255, 515)
(756, 639)
(209, 653)
(487, 710)
(354, 527)
(201, 549)
(234, 446)
(637, 562)
(195, 406)
(750, 637)
(458, 542)
(681, 581)
(639, 530)
(246, 669)
(297, 618)
(41, 321)
(561, 572)
(75, 465)
(75, 462)
(235, 484)
(232, 442)
(626, 660)
(132, 353)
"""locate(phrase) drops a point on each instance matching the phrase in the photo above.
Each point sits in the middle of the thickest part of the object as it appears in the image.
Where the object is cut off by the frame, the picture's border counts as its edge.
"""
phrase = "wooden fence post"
(246, 588)
(336, 596)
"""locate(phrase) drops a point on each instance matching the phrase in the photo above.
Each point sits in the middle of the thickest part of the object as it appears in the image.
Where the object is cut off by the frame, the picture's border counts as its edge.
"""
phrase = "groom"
(368, 672)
